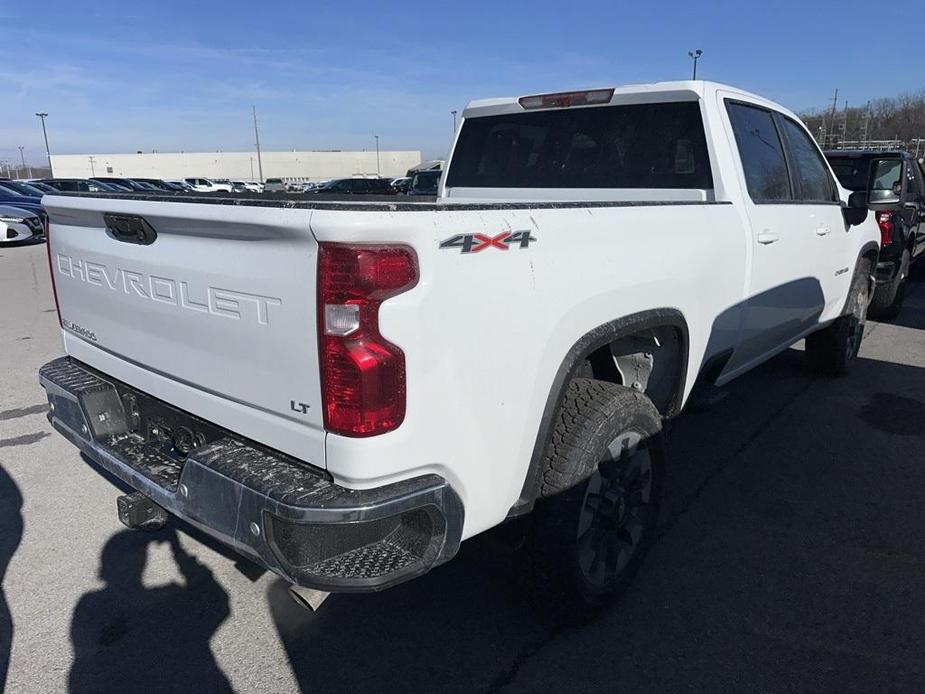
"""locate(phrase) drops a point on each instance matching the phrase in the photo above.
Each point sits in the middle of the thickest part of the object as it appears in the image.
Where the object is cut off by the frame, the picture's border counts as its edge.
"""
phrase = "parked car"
(128, 184)
(156, 183)
(274, 185)
(83, 185)
(425, 183)
(205, 185)
(30, 203)
(618, 246)
(253, 186)
(401, 185)
(18, 224)
(356, 186)
(41, 187)
(180, 186)
(21, 187)
(897, 187)
(176, 187)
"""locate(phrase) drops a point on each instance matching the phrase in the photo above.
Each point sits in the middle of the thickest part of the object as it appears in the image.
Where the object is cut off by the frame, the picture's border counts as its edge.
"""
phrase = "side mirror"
(856, 211)
(885, 184)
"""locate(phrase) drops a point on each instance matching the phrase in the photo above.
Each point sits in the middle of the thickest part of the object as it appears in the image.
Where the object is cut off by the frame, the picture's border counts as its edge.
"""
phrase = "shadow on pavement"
(130, 638)
(789, 558)
(10, 535)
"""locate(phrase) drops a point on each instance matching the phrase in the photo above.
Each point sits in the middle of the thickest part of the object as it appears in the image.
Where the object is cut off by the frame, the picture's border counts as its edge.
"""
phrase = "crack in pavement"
(23, 411)
(24, 440)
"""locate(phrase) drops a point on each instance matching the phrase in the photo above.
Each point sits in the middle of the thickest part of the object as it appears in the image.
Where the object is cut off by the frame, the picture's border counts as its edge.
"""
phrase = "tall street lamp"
(378, 173)
(695, 56)
(43, 116)
(454, 121)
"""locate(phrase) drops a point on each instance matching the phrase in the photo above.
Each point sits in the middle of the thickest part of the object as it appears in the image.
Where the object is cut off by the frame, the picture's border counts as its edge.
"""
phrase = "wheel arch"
(592, 342)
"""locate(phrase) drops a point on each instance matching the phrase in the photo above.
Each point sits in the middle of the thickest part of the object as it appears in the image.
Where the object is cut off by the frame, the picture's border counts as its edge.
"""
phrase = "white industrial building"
(292, 166)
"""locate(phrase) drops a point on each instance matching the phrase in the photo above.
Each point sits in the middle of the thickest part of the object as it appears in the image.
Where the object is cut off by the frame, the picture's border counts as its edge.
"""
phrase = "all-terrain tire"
(600, 493)
(831, 351)
(888, 300)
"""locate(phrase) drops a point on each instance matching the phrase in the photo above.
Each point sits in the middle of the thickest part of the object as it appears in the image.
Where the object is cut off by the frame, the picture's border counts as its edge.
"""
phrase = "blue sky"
(126, 76)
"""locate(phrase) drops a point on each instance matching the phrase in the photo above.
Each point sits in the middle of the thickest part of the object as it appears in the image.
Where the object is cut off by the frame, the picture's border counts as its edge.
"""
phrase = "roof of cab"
(629, 94)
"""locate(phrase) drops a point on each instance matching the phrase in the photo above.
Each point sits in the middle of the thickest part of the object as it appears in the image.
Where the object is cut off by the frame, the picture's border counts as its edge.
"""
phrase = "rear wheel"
(588, 541)
(831, 350)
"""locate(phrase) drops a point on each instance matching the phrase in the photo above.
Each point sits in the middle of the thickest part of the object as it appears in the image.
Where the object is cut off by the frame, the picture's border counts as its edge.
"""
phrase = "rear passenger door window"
(814, 182)
(761, 152)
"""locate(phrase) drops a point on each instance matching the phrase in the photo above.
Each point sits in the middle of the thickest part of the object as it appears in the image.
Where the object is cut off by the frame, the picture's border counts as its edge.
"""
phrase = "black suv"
(897, 195)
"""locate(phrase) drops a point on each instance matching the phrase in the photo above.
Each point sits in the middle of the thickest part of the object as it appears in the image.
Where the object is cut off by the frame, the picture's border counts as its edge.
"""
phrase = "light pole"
(257, 140)
(695, 56)
(378, 172)
(43, 116)
(23, 158)
(454, 121)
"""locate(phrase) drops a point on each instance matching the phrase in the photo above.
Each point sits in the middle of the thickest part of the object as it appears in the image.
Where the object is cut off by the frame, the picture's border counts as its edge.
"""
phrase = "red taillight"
(51, 269)
(885, 220)
(362, 374)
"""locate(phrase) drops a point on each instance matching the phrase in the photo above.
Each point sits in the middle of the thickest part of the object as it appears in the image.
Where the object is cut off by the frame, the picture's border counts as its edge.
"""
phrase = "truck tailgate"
(218, 300)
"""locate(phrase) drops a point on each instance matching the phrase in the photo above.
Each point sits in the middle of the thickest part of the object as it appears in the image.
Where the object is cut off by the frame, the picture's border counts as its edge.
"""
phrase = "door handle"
(767, 236)
(822, 231)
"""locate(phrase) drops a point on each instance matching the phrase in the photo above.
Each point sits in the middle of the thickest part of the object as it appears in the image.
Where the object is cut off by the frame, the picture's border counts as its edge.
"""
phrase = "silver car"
(17, 224)
(274, 185)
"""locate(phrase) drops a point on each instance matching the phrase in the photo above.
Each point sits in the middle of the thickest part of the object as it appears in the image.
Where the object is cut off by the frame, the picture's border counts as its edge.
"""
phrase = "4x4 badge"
(475, 243)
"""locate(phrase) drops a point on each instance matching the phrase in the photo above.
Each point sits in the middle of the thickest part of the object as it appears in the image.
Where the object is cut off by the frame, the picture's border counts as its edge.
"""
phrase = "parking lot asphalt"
(789, 558)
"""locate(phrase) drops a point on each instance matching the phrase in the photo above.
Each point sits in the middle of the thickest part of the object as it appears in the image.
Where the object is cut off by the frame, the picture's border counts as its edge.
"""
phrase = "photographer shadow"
(122, 641)
(11, 527)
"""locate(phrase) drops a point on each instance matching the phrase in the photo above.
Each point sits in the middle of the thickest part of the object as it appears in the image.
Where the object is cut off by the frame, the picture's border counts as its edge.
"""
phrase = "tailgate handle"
(130, 228)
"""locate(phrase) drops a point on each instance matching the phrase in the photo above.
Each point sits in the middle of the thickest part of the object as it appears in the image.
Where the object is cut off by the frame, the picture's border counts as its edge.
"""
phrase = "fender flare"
(588, 343)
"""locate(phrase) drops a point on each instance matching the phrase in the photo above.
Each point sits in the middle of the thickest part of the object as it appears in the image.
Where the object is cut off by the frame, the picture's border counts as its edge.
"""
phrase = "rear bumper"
(275, 510)
(886, 272)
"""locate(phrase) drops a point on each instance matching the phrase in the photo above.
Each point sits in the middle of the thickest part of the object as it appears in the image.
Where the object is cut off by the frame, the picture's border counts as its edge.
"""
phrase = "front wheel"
(831, 351)
(588, 541)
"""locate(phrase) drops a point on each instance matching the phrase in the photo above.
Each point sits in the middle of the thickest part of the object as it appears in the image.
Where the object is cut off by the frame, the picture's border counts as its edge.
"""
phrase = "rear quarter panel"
(485, 333)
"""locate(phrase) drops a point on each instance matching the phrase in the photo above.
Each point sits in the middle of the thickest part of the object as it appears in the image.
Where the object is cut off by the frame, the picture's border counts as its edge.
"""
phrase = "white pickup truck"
(344, 390)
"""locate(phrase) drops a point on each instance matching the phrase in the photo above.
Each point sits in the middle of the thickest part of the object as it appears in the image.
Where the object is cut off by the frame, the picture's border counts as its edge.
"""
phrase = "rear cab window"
(852, 172)
(632, 146)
